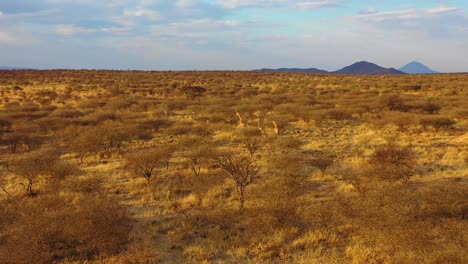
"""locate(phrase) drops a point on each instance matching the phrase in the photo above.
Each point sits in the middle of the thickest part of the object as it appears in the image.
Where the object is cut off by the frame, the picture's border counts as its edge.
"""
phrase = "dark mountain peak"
(363, 63)
(365, 67)
(416, 67)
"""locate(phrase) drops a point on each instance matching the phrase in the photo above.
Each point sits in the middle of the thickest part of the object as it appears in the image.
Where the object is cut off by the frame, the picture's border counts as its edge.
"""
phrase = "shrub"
(437, 122)
(395, 103)
(388, 164)
(391, 163)
(431, 107)
(338, 114)
(52, 228)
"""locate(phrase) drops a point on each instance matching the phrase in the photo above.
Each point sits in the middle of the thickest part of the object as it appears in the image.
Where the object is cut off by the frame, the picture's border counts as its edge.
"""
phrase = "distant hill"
(364, 67)
(416, 68)
(309, 70)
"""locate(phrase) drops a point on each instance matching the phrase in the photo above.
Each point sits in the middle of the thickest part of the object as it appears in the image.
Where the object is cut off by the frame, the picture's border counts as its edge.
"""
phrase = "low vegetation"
(232, 167)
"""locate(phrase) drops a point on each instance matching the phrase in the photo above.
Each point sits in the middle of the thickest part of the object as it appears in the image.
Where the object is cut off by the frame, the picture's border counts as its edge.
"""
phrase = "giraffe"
(241, 121)
(276, 128)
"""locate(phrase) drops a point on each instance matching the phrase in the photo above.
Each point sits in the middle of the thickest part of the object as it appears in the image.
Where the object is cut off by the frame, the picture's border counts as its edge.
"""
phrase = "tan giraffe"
(260, 123)
(241, 121)
(276, 128)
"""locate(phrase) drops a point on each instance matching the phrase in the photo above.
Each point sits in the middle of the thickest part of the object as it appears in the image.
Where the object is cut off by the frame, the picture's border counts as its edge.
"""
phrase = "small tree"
(32, 165)
(113, 134)
(197, 156)
(251, 139)
(145, 162)
(4, 125)
(167, 151)
(86, 141)
(2, 180)
(12, 141)
(288, 144)
(61, 169)
(241, 169)
(269, 143)
(322, 162)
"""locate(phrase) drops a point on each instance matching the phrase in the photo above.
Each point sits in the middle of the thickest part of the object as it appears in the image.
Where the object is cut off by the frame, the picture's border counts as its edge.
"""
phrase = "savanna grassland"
(232, 167)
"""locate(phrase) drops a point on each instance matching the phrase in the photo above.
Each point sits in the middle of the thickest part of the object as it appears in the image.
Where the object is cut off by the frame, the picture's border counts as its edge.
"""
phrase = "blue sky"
(232, 34)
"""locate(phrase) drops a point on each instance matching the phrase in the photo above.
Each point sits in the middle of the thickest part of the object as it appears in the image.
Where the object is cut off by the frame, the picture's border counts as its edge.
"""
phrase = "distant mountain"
(309, 70)
(416, 68)
(364, 67)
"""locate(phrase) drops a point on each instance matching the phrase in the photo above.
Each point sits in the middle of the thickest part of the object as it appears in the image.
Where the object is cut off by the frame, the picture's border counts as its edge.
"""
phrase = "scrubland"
(232, 167)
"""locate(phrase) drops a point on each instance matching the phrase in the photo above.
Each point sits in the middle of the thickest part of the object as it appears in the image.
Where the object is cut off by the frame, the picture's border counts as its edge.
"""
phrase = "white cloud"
(441, 10)
(8, 38)
(369, 10)
(16, 39)
(436, 23)
(301, 4)
(373, 15)
(25, 15)
(376, 16)
(141, 13)
(116, 30)
(316, 4)
(240, 3)
(196, 28)
(185, 3)
(68, 30)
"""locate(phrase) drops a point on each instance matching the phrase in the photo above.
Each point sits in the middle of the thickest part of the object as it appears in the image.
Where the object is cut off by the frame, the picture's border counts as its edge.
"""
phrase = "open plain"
(232, 167)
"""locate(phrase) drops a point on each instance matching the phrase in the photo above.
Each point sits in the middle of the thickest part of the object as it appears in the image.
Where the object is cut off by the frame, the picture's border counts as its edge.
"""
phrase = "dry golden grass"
(356, 211)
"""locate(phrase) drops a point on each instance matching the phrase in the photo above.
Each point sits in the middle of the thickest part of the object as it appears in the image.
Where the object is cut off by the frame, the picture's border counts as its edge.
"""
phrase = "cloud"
(16, 38)
(202, 32)
(7, 38)
(27, 15)
(198, 25)
(442, 10)
(301, 4)
(369, 10)
(316, 4)
(141, 13)
(373, 15)
(435, 23)
(241, 3)
(376, 16)
(185, 3)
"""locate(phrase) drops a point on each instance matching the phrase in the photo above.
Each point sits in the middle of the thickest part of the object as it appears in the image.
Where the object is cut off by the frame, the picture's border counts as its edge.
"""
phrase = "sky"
(232, 34)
